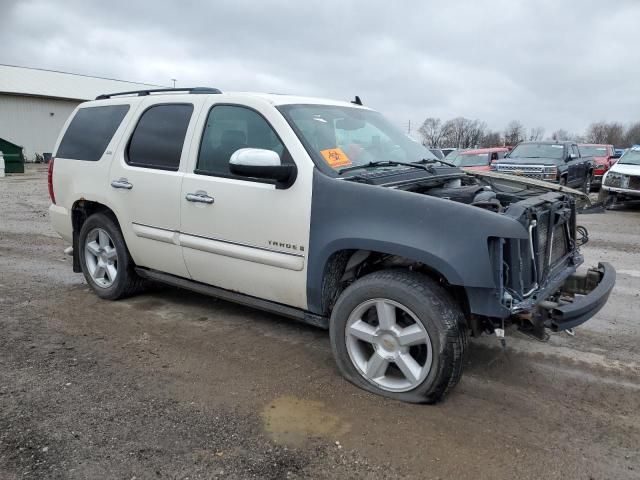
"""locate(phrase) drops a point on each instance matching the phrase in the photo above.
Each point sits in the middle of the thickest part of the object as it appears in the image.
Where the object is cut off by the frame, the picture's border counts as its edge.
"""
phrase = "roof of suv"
(272, 98)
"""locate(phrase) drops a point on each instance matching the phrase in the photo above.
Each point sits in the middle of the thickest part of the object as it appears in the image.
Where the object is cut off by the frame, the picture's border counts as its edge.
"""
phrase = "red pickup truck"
(604, 157)
(477, 159)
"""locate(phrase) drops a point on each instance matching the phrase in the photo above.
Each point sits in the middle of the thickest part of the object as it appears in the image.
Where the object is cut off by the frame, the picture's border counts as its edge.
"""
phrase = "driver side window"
(230, 128)
(574, 150)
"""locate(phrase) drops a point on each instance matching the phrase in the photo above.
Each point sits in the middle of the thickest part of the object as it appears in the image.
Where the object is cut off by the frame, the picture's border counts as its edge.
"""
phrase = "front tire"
(105, 260)
(586, 187)
(399, 334)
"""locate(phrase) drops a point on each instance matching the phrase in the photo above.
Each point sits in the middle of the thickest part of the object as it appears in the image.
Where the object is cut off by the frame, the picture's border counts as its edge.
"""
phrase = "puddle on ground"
(293, 421)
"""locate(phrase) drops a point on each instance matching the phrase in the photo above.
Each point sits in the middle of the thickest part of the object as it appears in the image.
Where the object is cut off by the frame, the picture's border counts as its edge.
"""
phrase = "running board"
(266, 305)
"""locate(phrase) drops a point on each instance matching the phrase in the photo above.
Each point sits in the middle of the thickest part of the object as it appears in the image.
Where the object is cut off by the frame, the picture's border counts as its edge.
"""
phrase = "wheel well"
(346, 266)
(81, 210)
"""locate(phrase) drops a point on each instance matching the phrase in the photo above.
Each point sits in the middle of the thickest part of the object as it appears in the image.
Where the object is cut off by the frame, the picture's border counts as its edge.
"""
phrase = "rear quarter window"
(90, 132)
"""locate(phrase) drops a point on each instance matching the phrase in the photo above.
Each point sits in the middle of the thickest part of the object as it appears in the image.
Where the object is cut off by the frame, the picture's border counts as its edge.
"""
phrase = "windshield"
(471, 159)
(593, 151)
(538, 150)
(632, 157)
(342, 137)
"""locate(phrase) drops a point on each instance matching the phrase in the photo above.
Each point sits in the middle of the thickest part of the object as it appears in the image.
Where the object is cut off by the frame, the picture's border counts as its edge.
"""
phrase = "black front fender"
(449, 237)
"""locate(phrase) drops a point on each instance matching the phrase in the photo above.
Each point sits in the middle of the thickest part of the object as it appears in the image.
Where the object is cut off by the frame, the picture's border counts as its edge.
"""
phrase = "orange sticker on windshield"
(335, 157)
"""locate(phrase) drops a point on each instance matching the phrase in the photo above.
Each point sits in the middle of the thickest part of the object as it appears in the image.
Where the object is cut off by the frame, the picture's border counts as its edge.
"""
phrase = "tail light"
(52, 195)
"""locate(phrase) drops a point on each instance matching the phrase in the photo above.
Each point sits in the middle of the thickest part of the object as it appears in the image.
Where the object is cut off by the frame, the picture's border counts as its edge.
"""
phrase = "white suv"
(322, 211)
(622, 180)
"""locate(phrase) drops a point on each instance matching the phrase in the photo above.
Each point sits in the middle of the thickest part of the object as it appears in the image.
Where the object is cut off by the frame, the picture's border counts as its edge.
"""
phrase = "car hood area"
(512, 181)
(626, 169)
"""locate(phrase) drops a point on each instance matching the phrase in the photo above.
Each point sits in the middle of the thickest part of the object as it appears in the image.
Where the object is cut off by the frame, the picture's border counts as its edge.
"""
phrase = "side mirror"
(261, 163)
(572, 156)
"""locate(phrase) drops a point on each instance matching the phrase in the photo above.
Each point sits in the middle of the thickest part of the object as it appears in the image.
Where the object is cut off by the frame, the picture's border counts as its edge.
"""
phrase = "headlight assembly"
(550, 173)
(616, 180)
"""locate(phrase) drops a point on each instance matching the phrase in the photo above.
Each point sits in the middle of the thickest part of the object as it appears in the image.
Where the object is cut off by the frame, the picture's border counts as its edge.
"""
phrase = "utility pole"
(408, 125)
(174, 82)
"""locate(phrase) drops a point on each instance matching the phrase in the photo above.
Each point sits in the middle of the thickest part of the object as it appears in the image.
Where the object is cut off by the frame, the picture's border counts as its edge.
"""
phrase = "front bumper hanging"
(580, 298)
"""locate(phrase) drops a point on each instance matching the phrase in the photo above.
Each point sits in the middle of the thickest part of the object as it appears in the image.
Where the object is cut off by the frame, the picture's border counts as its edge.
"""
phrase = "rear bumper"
(61, 222)
(591, 292)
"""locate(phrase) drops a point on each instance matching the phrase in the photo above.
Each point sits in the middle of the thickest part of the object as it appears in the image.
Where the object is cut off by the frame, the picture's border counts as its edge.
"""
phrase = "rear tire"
(418, 357)
(105, 260)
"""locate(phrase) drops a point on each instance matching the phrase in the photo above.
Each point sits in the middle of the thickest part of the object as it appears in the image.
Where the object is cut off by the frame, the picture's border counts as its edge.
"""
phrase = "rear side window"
(90, 132)
(159, 136)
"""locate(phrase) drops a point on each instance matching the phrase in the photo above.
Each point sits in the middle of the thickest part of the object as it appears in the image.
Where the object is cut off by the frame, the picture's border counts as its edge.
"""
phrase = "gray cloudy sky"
(558, 64)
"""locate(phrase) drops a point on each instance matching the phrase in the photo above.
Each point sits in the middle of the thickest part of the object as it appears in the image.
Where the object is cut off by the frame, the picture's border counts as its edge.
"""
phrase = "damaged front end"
(537, 278)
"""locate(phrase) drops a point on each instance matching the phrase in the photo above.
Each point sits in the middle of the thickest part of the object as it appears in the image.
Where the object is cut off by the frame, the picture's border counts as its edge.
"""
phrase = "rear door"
(146, 180)
(244, 234)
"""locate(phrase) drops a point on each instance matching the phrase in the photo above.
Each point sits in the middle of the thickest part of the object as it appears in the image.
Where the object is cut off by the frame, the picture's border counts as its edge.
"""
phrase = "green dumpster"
(13, 158)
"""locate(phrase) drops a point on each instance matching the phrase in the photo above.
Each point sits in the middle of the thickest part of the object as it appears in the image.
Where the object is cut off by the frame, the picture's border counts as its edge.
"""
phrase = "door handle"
(122, 183)
(199, 197)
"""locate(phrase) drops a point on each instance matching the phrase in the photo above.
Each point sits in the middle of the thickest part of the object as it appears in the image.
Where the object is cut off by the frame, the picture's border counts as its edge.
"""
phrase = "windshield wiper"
(384, 163)
(434, 160)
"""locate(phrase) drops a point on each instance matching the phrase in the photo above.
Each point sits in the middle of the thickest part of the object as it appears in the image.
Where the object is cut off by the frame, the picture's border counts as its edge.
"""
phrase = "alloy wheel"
(101, 257)
(388, 345)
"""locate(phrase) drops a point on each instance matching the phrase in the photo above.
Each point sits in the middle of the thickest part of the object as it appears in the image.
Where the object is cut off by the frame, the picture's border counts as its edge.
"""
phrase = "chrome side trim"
(242, 252)
(154, 233)
(290, 261)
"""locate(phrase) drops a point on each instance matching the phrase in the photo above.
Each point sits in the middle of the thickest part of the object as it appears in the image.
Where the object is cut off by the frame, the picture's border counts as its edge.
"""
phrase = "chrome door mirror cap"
(255, 157)
(258, 163)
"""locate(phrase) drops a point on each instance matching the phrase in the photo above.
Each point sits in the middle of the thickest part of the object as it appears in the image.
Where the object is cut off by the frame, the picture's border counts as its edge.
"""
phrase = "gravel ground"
(171, 384)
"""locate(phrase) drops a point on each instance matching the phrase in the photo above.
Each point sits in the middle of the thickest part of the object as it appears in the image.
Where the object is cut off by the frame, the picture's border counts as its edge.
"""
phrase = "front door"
(243, 234)
(146, 179)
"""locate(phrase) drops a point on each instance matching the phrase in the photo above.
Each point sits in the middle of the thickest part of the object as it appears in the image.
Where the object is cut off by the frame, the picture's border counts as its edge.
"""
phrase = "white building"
(34, 103)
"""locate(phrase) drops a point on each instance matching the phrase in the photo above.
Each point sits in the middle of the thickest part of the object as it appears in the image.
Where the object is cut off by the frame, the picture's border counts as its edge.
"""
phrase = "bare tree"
(514, 133)
(431, 132)
(491, 139)
(536, 134)
(597, 132)
(615, 133)
(462, 132)
(606, 132)
(560, 135)
(631, 136)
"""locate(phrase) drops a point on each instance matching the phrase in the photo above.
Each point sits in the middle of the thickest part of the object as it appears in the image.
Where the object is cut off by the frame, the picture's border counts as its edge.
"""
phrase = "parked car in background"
(620, 151)
(557, 162)
(454, 154)
(447, 151)
(604, 156)
(478, 159)
(622, 181)
(439, 154)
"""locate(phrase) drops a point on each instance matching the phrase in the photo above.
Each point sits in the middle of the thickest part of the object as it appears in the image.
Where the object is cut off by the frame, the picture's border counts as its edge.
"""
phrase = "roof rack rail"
(143, 93)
